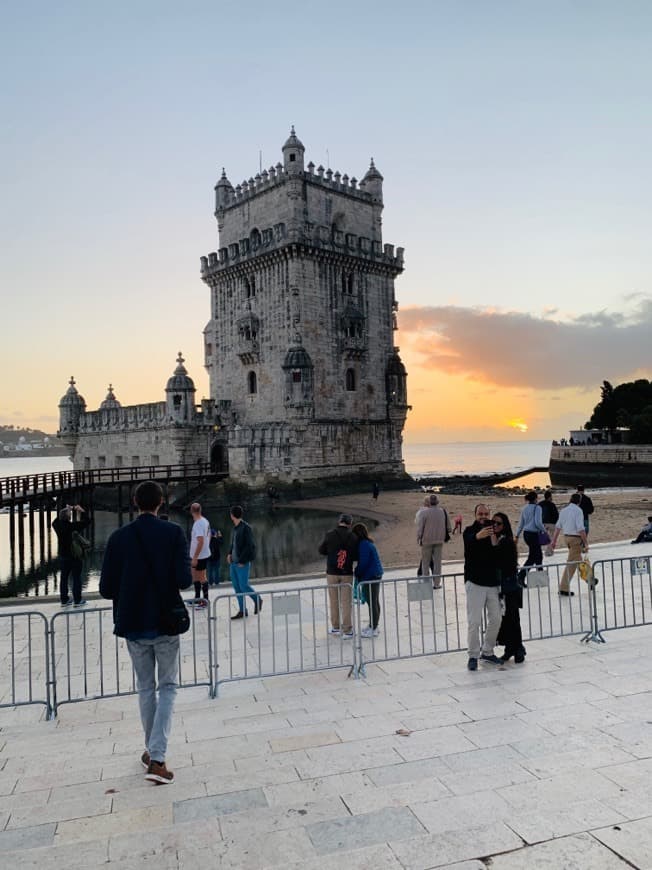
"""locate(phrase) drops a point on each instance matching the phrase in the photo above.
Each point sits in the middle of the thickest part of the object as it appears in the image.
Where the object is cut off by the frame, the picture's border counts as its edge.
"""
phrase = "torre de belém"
(305, 380)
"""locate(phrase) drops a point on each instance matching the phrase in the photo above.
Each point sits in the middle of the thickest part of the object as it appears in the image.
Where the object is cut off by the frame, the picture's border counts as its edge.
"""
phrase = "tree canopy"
(628, 405)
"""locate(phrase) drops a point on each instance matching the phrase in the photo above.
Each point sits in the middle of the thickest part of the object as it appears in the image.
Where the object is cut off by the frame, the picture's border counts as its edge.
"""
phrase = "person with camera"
(482, 586)
(68, 522)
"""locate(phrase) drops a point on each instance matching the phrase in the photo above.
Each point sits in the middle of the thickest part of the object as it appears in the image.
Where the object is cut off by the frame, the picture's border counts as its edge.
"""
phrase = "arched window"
(350, 380)
(252, 384)
(250, 287)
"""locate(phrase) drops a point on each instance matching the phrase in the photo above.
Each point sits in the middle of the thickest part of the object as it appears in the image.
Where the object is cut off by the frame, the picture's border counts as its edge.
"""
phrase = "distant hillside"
(18, 441)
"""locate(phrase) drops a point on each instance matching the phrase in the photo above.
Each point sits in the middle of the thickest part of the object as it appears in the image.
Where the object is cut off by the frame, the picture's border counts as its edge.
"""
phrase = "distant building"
(305, 379)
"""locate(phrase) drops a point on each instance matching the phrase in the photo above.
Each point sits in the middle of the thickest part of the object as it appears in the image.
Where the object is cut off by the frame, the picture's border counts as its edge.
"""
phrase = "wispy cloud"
(511, 348)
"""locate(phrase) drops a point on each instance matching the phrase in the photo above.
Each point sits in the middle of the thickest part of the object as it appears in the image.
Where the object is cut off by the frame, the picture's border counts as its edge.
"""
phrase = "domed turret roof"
(297, 357)
(293, 141)
(372, 172)
(110, 401)
(224, 181)
(72, 399)
(180, 380)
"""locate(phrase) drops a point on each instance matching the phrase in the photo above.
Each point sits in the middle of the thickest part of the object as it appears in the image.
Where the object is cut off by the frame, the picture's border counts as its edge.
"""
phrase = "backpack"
(79, 546)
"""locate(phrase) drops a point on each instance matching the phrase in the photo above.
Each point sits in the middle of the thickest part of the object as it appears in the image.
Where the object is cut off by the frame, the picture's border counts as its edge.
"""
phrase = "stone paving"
(421, 764)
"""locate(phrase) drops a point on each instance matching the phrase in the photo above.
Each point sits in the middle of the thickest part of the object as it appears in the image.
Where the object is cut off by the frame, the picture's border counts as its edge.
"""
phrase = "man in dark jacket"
(586, 506)
(68, 522)
(340, 546)
(145, 564)
(241, 554)
(482, 587)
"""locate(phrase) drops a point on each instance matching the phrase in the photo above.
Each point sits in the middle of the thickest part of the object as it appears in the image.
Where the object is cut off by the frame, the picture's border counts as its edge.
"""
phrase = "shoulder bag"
(173, 615)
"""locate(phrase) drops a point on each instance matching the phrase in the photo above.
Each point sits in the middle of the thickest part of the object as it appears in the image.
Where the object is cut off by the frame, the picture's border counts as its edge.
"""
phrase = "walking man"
(241, 554)
(482, 588)
(340, 546)
(69, 521)
(549, 513)
(145, 566)
(586, 506)
(433, 529)
(571, 524)
(200, 551)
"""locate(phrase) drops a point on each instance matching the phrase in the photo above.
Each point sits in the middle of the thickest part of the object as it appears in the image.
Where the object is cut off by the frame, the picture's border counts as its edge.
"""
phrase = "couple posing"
(491, 570)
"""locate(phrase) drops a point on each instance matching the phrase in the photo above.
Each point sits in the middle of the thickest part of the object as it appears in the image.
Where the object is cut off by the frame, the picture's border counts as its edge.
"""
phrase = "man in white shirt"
(200, 551)
(571, 523)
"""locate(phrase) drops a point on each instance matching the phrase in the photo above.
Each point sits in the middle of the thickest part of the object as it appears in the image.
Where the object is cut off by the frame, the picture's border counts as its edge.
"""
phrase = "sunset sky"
(515, 142)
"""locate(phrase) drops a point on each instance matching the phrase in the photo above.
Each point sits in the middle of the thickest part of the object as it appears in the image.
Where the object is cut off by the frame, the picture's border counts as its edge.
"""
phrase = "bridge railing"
(53, 482)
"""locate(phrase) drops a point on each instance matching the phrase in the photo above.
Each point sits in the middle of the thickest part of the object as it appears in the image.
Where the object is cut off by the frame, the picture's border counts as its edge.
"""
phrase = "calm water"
(286, 539)
(482, 457)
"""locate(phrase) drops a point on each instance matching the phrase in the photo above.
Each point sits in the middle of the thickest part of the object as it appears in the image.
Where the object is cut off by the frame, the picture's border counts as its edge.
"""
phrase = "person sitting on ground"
(369, 572)
(645, 535)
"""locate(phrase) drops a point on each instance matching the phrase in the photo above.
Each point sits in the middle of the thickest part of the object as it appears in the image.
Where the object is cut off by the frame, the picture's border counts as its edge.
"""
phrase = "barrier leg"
(594, 634)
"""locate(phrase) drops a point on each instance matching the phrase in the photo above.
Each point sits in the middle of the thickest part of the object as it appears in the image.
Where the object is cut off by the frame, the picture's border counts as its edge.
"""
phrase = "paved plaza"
(418, 765)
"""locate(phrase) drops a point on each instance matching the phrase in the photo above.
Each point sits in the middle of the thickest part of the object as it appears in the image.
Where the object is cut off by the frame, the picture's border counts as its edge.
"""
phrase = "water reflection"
(286, 542)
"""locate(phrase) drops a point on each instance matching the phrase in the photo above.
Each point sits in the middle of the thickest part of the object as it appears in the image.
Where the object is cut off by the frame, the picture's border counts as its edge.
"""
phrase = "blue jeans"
(239, 575)
(148, 655)
(68, 566)
(213, 571)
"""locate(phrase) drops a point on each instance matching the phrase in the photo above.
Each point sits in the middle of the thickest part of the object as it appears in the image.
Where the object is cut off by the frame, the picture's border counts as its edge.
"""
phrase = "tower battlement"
(303, 313)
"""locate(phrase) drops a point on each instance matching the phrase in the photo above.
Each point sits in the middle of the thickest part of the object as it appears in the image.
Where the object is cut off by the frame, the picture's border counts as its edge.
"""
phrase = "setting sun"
(520, 425)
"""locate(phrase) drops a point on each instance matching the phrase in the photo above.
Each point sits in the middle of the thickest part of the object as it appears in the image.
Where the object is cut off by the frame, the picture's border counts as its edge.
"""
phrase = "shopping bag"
(538, 578)
(585, 569)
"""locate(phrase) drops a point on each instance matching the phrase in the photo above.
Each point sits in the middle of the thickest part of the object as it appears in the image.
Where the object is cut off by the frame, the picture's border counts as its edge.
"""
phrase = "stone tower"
(300, 345)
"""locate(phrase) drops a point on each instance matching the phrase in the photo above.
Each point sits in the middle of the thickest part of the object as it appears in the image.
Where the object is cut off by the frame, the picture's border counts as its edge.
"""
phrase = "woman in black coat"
(506, 561)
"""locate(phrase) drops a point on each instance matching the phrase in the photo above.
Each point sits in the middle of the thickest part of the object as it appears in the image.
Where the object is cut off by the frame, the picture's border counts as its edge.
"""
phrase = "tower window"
(350, 380)
(293, 157)
(296, 376)
(250, 287)
(252, 383)
(176, 400)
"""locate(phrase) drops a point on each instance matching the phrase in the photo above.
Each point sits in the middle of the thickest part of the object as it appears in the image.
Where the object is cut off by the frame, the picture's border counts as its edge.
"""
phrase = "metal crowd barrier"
(622, 595)
(419, 620)
(289, 635)
(24, 648)
(76, 657)
(90, 662)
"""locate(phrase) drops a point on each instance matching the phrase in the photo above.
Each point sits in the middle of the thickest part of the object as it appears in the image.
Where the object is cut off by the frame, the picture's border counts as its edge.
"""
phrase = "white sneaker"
(369, 632)
(347, 634)
(334, 631)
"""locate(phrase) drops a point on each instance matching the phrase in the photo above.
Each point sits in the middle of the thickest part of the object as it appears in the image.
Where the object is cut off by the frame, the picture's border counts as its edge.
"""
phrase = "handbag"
(585, 570)
(544, 539)
(174, 617)
(538, 579)
(79, 546)
(510, 583)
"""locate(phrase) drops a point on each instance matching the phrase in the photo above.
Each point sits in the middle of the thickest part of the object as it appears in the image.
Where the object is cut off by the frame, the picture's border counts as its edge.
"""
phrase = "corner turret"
(110, 400)
(373, 182)
(224, 193)
(71, 407)
(180, 394)
(293, 152)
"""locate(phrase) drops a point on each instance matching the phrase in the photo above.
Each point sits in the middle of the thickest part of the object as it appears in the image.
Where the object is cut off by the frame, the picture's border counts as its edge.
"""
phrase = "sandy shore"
(618, 516)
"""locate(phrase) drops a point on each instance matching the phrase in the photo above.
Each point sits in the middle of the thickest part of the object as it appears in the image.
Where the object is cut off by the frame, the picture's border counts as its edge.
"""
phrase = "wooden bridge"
(55, 485)
(37, 496)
